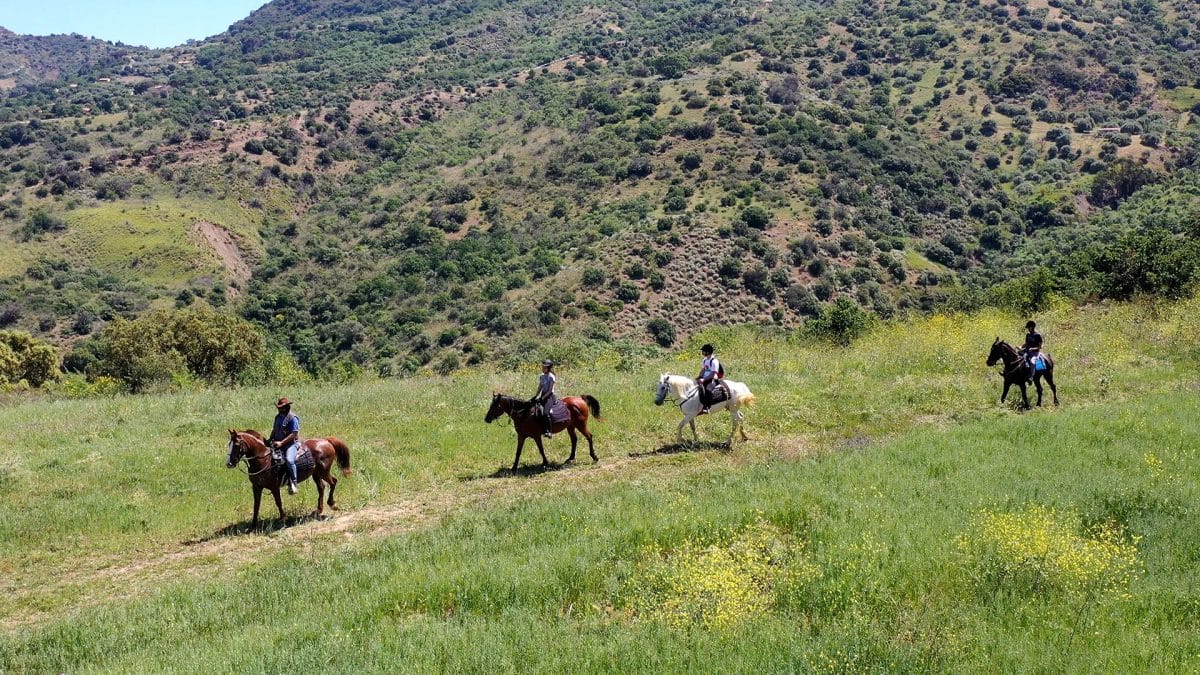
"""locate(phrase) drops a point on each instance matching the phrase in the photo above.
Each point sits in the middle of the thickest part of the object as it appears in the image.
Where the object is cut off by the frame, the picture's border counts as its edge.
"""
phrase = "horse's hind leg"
(1050, 381)
(741, 422)
(1037, 382)
(574, 442)
(320, 483)
(332, 486)
(591, 448)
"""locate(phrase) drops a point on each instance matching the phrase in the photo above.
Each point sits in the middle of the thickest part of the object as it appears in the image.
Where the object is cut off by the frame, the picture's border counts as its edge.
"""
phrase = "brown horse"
(525, 420)
(249, 446)
(1017, 371)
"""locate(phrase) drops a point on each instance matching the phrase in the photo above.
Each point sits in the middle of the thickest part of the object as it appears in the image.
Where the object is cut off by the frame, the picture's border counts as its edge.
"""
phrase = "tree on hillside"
(25, 359)
(1119, 181)
(198, 341)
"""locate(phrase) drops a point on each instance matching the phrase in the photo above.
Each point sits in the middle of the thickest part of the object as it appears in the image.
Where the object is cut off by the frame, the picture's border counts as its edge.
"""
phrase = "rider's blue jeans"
(291, 460)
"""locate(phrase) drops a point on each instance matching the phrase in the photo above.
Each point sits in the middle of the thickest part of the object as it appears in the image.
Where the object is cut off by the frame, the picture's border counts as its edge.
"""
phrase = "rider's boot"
(291, 487)
(547, 430)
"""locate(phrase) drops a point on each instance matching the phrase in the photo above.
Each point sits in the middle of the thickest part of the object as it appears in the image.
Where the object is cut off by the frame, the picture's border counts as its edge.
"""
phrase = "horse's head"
(664, 388)
(243, 444)
(496, 409)
(237, 449)
(997, 352)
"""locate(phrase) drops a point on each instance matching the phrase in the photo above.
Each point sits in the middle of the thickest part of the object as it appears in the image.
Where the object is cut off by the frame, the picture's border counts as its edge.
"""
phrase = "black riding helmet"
(1030, 325)
(547, 363)
(706, 349)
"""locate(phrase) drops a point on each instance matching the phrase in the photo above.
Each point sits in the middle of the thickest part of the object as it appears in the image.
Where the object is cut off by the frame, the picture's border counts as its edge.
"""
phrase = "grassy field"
(886, 515)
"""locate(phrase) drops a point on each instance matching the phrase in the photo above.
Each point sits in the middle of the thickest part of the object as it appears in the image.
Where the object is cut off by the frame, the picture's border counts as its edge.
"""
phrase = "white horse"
(685, 391)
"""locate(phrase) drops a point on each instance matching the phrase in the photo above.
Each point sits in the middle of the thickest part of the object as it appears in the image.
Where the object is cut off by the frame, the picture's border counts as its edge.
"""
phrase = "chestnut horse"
(249, 447)
(1018, 372)
(525, 420)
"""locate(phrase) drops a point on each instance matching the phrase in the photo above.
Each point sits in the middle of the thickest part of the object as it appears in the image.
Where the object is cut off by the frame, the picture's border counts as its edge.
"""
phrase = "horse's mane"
(252, 432)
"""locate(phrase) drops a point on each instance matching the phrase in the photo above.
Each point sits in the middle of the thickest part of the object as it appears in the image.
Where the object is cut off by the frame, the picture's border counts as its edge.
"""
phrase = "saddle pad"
(304, 461)
(559, 413)
(719, 393)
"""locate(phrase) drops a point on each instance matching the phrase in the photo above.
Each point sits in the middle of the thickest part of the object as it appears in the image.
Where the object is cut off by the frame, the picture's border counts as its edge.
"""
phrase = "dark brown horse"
(249, 446)
(525, 420)
(1017, 371)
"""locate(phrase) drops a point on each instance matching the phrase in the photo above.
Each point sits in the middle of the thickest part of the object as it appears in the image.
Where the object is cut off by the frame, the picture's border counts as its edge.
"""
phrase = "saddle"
(304, 463)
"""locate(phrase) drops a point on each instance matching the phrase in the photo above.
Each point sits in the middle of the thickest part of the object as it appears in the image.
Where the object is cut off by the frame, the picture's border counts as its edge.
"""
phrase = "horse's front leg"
(520, 446)
(1004, 394)
(278, 501)
(1037, 382)
(257, 501)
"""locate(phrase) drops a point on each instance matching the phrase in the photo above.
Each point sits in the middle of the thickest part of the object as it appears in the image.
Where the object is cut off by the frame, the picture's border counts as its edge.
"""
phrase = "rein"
(1016, 362)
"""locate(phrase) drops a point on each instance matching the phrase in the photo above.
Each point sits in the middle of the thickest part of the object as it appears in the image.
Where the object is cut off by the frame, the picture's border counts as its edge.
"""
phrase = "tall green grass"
(106, 483)
(543, 583)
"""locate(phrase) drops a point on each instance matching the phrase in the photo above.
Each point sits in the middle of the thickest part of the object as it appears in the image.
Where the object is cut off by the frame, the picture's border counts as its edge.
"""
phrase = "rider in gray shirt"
(545, 396)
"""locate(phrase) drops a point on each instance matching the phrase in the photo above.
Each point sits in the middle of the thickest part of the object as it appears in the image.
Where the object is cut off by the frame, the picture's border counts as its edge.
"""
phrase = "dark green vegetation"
(399, 186)
(860, 511)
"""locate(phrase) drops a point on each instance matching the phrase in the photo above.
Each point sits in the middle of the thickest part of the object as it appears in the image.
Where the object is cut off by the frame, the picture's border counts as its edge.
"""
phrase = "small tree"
(662, 331)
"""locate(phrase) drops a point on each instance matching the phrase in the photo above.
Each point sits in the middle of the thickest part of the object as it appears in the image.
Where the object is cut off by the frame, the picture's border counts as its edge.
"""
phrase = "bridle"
(244, 457)
(668, 396)
(1016, 363)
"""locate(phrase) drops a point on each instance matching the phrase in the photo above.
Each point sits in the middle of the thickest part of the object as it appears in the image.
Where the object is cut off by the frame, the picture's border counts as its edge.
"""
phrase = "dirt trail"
(227, 250)
(232, 548)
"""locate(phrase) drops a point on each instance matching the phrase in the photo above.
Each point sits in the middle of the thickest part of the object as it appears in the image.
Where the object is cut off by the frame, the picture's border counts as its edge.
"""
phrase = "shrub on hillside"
(198, 342)
(841, 321)
(662, 331)
(1119, 181)
(25, 359)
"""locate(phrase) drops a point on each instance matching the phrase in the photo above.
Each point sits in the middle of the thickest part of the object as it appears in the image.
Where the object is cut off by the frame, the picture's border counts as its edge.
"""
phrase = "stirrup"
(292, 487)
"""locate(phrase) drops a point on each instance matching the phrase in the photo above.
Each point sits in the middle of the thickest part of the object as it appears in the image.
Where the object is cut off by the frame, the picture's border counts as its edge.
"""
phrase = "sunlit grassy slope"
(858, 513)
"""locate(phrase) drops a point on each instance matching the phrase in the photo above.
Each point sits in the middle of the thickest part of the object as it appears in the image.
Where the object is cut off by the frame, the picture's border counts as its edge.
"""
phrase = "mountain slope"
(431, 184)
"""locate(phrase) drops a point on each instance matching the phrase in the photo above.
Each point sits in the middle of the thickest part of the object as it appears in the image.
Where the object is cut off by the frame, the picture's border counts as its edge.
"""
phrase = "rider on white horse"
(710, 371)
(685, 390)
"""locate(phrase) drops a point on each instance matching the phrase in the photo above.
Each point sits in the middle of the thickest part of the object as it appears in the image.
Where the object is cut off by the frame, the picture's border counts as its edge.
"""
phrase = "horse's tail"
(343, 454)
(594, 405)
(748, 400)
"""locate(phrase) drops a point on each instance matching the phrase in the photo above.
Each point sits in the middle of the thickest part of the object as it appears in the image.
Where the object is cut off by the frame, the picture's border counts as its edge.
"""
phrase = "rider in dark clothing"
(1033, 344)
(285, 435)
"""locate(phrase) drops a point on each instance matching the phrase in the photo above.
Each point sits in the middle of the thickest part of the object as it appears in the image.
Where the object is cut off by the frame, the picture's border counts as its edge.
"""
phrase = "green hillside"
(886, 515)
(406, 186)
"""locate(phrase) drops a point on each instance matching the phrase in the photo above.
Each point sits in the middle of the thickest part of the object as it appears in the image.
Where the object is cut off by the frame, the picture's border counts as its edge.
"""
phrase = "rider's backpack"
(720, 370)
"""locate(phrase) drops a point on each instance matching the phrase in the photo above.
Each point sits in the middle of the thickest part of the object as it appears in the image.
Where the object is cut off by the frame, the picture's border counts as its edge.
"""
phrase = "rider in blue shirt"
(285, 433)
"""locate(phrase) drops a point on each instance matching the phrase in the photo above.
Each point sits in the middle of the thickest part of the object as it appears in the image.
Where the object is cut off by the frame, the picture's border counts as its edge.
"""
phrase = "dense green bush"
(841, 321)
(198, 341)
(24, 359)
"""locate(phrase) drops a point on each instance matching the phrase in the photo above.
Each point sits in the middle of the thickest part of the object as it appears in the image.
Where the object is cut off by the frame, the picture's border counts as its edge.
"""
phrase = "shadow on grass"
(686, 446)
(266, 525)
(524, 471)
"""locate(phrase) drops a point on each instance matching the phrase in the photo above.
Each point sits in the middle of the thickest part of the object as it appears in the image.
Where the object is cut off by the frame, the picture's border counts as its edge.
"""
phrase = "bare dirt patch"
(223, 244)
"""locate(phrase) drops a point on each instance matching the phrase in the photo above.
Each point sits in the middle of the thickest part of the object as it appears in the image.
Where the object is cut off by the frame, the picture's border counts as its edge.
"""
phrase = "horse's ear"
(997, 340)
